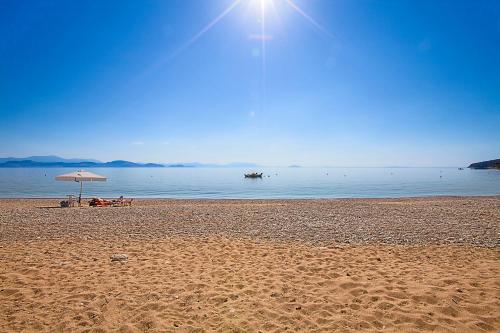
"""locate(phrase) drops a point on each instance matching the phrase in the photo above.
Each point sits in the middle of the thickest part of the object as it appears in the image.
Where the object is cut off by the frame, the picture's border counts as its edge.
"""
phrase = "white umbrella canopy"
(81, 176)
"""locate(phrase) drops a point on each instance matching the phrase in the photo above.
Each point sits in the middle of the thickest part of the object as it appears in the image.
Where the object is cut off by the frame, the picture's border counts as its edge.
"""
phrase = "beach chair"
(99, 202)
(71, 202)
(121, 202)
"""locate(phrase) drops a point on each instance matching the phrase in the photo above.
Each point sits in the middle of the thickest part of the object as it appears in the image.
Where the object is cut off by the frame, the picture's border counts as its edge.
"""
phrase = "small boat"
(460, 168)
(253, 175)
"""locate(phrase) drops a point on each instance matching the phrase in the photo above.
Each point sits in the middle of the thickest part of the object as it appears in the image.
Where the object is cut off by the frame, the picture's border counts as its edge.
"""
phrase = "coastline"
(395, 265)
(167, 199)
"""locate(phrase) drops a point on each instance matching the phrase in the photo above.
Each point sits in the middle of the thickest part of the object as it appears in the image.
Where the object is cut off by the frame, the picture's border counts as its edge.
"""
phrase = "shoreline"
(139, 198)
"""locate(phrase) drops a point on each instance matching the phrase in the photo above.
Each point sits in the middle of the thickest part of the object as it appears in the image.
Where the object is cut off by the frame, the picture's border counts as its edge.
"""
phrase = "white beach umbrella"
(81, 176)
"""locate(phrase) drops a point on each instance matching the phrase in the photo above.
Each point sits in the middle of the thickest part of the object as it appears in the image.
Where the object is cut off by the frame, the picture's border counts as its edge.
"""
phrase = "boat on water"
(253, 175)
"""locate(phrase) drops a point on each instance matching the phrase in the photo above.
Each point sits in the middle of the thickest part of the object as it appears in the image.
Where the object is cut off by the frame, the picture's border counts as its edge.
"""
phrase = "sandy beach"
(377, 265)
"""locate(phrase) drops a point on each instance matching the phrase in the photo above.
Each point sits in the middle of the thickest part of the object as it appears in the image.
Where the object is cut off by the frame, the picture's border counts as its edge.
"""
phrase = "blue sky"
(339, 83)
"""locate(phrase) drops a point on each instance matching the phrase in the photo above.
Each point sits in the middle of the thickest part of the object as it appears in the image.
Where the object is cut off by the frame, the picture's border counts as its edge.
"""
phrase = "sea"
(276, 183)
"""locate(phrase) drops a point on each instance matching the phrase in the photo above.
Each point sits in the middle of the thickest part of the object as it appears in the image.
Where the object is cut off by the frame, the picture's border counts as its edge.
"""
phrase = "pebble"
(119, 257)
(461, 220)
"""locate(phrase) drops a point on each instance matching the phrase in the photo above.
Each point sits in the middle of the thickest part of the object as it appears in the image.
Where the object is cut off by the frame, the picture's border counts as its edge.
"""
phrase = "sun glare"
(262, 9)
(262, 5)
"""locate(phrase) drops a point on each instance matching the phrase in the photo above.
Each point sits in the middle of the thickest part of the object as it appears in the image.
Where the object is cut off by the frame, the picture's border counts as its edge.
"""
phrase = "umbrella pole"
(80, 197)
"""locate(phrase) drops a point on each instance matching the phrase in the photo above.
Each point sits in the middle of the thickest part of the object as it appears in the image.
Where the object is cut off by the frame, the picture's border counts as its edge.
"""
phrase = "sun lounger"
(121, 202)
(71, 202)
(99, 202)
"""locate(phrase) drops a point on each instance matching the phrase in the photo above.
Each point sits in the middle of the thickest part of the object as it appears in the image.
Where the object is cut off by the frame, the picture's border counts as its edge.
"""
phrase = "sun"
(265, 4)
(261, 7)
(258, 4)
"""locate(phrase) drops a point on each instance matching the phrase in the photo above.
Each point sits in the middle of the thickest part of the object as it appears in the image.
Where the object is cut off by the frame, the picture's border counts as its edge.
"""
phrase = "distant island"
(212, 165)
(48, 159)
(53, 161)
(492, 164)
(178, 165)
(84, 164)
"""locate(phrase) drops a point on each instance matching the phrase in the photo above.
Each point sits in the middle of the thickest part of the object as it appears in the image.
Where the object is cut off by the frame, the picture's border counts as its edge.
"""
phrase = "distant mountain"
(294, 166)
(212, 165)
(180, 165)
(492, 164)
(48, 159)
(53, 161)
(127, 164)
(240, 165)
(112, 164)
(185, 165)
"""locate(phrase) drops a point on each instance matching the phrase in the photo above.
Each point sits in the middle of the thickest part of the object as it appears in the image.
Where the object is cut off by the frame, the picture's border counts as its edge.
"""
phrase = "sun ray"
(275, 12)
(308, 18)
(263, 40)
(205, 29)
(192, 40)
(265, 5)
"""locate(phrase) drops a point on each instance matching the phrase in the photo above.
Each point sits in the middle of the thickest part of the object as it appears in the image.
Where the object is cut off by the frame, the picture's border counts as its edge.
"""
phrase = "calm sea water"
(277, 183)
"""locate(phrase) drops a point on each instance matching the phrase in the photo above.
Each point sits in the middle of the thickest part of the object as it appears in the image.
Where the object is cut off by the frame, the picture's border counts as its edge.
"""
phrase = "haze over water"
(218, 183)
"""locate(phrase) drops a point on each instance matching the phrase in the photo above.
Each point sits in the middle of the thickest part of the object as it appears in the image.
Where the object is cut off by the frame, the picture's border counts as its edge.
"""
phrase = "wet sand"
(388, 265)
